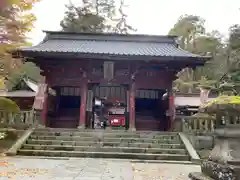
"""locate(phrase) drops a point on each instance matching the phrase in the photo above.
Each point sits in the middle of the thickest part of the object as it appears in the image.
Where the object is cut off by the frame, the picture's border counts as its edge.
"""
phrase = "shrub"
(8, 105)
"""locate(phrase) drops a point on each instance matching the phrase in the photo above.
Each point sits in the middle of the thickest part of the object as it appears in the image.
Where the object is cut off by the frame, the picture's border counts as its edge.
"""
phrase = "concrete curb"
(191, 151)
(13, 150)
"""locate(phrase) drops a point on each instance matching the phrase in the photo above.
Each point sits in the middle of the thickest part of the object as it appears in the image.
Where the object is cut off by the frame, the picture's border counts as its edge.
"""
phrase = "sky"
(154, 17)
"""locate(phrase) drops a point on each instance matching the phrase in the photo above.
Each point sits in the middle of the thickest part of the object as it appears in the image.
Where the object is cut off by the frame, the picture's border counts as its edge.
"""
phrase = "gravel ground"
(22, 168)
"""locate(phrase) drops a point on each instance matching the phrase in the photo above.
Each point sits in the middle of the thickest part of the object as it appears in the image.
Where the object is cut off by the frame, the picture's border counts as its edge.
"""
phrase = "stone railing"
(20, 120)
(191, 124)
(198, 124)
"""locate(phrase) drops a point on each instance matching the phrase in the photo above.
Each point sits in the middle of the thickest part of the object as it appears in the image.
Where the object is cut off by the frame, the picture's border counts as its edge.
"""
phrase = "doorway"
(150, 110)
(68, 108)
(112, 111)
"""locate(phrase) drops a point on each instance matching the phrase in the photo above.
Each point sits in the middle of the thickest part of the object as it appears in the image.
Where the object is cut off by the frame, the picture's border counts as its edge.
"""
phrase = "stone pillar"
(224, 160)
(132, 92)
(82, 120)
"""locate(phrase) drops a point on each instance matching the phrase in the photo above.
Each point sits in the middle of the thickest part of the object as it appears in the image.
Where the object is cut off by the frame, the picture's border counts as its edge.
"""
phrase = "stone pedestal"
(224, 160)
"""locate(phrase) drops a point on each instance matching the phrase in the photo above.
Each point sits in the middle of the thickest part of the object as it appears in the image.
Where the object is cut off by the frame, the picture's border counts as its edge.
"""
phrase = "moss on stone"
(222, 103)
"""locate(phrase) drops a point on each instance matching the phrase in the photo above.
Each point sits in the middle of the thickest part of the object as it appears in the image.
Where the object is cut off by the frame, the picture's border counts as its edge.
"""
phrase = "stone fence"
(21, 120)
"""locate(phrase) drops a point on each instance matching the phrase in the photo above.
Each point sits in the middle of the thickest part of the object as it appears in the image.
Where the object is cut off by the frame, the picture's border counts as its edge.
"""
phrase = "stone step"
(107, 131)
(104, 144)
(107, 134)
(105, 139)
(105, 149)
(143, 156)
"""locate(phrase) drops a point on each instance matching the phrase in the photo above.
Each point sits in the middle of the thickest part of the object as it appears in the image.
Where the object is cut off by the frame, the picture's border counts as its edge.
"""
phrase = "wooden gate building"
(136, 69)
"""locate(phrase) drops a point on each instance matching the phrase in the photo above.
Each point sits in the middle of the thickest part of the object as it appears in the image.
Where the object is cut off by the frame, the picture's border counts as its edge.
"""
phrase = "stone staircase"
(105, 144)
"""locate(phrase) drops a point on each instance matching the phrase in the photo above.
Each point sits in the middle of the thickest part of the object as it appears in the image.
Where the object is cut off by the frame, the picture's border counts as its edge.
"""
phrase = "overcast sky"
(148, 16)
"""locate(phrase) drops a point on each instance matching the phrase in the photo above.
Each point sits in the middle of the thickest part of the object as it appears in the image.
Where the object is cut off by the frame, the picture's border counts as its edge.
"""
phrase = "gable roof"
(99, 44)
(32, 85)
(30, 92)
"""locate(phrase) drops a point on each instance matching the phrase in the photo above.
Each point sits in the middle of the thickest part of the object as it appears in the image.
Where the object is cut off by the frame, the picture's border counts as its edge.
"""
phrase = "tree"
(82, 19)
(96, 16)
(234, 40)
(231, 66)
(187, 28)
(15, 21)
(122, 26)
(193, 37)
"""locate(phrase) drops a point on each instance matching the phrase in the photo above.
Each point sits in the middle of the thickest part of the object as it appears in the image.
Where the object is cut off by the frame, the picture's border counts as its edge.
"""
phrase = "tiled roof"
(188, 101)
(110, 44)
(111, 47)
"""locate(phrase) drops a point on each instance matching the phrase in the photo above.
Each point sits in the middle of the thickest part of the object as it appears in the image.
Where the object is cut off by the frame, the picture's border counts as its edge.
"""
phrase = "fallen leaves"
(4, 164)
(20, 172)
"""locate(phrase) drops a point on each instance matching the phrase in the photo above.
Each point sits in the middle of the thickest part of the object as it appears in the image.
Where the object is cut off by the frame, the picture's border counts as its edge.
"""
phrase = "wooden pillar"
(171, 109)
(45, 108)
(82, 120)
(132, 119)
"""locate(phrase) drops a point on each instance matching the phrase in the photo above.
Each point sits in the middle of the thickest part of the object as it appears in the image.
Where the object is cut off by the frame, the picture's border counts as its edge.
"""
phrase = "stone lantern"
(224, 160)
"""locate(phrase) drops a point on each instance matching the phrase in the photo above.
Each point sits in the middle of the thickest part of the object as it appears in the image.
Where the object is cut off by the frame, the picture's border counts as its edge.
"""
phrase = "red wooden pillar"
(82, 120)
(171, 109)
(132, 126)
(44, 109)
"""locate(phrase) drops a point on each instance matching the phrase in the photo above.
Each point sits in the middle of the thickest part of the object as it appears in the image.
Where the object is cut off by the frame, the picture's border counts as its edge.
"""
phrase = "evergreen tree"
(96, 16)
(82, 19)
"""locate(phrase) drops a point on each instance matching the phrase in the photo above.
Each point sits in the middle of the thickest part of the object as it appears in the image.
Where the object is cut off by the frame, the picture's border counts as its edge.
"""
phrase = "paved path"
(22, 168)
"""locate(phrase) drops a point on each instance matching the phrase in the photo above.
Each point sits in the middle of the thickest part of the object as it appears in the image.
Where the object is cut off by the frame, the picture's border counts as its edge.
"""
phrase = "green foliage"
(15, 21)
(205, 83)
(81, 19)
(96, 16)
(187, 28)
(2, 84)
(223, 100)
(225, 55)
(225, 104)
(8, 105)
(234, 40)
(203, 115)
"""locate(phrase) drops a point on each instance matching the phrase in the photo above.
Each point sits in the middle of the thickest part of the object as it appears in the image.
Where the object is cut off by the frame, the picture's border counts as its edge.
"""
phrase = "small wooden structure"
(187, 104)
(136, 69)
(23, 94)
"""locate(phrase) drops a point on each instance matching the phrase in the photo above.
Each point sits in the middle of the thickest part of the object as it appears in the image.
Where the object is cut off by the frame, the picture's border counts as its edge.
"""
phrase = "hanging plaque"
(108, 70)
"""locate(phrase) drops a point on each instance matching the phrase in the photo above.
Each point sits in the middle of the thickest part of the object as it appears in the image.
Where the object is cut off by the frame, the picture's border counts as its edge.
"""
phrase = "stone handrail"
(198, 124)
(23, 118)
